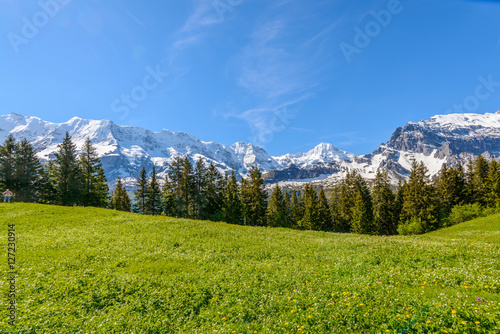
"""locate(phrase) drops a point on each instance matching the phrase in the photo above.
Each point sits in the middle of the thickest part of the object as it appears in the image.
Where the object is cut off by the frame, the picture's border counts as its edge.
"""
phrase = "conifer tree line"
(415, 206)
(418, 205)
(69, 179)
(199, 191)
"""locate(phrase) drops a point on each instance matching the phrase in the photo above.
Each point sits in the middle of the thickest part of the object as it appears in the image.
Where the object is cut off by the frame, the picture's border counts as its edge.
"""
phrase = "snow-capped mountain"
(124, 150)
(443, 139)
(322, 154)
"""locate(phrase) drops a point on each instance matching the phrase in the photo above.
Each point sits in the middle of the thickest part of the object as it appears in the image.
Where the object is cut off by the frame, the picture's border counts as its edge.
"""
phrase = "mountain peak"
(325, 147)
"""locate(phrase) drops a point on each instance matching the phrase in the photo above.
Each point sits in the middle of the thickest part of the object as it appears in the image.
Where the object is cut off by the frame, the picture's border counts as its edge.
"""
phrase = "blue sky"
(284, 74)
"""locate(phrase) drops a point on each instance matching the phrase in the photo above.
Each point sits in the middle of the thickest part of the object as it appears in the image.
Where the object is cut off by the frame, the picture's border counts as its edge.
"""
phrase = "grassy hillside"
(99, 271)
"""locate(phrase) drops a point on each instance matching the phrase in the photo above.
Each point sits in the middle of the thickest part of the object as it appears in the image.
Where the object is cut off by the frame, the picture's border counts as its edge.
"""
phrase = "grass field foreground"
(86, 270)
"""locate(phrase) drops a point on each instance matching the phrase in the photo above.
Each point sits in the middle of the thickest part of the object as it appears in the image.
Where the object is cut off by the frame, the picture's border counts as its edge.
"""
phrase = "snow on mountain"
(322, 154)
(251, 155)
(124, 150)
(442, 139)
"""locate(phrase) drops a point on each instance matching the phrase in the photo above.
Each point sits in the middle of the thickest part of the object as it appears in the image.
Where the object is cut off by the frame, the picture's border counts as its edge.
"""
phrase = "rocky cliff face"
(450, 135)
(444, 139)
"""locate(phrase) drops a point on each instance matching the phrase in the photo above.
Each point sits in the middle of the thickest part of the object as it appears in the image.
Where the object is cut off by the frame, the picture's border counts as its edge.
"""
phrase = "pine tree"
(200, 180)
(276, 209)
(67, 174)
(168, 199)
(310, 220)
(141, 191)
(297, 208)
(459, 189)
(8, 178)
(28, 170)
(443, 184)
(399, 201)
(153, 195)
(362, 209)
(384, 215)
(254, 198)
(479, 179)
(335, 210)
(347, 194)
(361, 215)
(450, 189)
(325, 217)
(246, 199)
(47, 193)
(493, 185)
(469, 184)
(214, 195)
(233, 207)
(420, 212)
(174, 197)
(95, 187)
(120, 199)
(101, 196)
(288, 209)
(349, 188)
(188, 189)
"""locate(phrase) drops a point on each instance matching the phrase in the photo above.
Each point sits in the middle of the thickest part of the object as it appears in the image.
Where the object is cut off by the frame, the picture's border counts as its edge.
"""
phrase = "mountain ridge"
(124, 150)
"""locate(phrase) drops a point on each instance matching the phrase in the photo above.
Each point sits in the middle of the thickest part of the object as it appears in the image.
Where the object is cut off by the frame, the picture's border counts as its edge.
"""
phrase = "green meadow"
(86, 270)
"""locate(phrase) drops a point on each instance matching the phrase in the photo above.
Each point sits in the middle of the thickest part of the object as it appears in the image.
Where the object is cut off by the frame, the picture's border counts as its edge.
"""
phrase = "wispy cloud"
(188, 41)
(326, 31)
(139, 22)
(266, 121)
(188, 36)
(196, 25)
(202, 16)
(273, 71)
